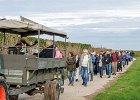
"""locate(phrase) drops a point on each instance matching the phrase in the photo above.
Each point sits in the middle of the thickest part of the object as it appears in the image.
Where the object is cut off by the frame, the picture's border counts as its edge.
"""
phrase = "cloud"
(111, 28)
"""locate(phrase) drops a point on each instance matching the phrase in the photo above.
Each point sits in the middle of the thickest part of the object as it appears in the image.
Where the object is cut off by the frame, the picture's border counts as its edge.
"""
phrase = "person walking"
(119, 67)
(77, 68)
(85, 63)
(114, 62)
(92, 55)
(71, 67)
(104, 62)
(97, 64)
(101, 65)
(108, 63)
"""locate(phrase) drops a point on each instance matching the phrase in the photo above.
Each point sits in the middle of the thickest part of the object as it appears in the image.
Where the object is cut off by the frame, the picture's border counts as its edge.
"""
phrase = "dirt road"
(78, 91)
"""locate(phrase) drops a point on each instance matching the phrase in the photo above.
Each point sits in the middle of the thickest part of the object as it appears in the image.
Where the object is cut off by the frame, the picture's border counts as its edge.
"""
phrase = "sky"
(111, 24)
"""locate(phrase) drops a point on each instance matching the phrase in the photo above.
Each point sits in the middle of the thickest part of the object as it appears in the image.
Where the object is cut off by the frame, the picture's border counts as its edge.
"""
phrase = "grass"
(126, 87)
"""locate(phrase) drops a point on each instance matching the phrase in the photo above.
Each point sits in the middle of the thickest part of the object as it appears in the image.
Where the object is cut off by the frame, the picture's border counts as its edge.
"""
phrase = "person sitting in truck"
(50, 51)
(22, 42)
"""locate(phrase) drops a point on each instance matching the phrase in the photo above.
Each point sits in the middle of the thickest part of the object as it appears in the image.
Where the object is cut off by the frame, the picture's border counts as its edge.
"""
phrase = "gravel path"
(78, 91)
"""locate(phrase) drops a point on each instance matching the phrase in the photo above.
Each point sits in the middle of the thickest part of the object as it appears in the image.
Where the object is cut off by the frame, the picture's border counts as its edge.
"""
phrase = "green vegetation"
(126, 87)
(11, 39)
(137, 53)
(77, 48)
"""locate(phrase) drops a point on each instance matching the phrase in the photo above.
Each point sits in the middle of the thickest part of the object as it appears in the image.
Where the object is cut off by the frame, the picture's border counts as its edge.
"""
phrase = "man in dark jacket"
(108, 63)
(71, 67)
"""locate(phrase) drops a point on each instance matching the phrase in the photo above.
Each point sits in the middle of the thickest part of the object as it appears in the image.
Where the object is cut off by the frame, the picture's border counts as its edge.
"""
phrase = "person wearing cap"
(85, 63)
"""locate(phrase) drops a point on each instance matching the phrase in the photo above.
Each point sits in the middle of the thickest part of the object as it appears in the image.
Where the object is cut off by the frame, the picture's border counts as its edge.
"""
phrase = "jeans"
(114, 67)
(108, 69)
(84, 74)
(71, 77)
(61, 71)
(101, 71)
(92, 73)
(77, 73)
(127, 61)
(123, 63)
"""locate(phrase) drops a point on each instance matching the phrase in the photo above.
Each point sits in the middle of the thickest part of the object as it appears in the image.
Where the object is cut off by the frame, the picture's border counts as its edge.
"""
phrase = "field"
(126, 87)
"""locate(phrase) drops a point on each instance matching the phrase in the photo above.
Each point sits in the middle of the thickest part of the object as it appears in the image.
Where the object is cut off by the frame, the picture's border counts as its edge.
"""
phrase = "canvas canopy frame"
(26, 27)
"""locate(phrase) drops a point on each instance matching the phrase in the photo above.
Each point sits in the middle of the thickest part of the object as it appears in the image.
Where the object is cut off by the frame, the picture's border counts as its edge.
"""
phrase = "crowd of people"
(89, 64)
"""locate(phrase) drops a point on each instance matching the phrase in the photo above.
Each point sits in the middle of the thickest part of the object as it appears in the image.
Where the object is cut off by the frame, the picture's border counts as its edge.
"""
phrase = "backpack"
(77, 63)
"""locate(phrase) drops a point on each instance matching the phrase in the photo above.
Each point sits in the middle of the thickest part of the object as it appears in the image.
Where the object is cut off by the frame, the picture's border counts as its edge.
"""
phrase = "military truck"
(27, 73)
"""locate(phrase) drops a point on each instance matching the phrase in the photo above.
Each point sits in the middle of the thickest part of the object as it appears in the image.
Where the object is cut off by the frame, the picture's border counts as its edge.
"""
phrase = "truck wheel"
(51, 91)
(3, 90)
(55, 89)
(62, 90)
(46, 91)
(13, 97)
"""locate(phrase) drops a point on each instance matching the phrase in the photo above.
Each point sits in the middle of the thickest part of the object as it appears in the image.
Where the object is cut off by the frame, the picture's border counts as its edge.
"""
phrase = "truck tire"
(51, 90)
(13, 97)
(3, 90)
(46, 91)
(56, 90)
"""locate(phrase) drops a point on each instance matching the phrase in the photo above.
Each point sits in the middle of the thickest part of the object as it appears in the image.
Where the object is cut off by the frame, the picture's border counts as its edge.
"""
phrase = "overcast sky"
(111, 23)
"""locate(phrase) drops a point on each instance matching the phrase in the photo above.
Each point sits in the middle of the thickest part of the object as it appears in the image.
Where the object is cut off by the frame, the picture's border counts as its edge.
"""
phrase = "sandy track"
(78, 91)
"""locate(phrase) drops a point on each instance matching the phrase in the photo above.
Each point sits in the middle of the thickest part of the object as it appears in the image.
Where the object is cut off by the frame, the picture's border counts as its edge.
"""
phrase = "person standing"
(71, 67)
(124, 59)
(104, 62)
(101, 65)
(77, 68)
(85, 63)
(127, 57)
(92, 55)
(120, 61)
(97, 64)
(114, 62)
(108, 63)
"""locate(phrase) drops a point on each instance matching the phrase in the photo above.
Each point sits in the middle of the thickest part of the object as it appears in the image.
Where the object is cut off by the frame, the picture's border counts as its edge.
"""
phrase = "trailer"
(28, 73)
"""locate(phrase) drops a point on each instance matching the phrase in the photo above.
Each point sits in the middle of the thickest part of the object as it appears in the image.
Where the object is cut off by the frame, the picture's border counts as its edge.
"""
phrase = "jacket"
(108, 58)
(71, 63)
(89, 65)
(114, 57)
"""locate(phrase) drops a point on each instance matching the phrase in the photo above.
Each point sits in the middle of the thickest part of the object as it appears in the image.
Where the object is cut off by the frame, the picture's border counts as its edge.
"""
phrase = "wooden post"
(65, 46)
(38, 42)
(53, 46)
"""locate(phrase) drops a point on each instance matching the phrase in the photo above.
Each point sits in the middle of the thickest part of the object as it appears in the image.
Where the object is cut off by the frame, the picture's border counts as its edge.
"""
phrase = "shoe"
(76, 80)
(108, 76)
(83, 83)
(101, 76)
(72, 84)
(91, 80)
(69, 84)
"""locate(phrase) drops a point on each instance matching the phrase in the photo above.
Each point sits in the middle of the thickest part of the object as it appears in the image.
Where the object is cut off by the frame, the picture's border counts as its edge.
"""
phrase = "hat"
(85, 50)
